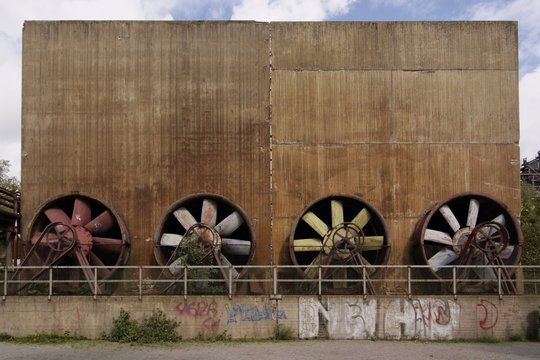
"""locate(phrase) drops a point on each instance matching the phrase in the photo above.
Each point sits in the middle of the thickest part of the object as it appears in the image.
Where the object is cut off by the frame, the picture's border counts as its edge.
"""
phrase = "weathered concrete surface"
(336, 317)
(298, 350)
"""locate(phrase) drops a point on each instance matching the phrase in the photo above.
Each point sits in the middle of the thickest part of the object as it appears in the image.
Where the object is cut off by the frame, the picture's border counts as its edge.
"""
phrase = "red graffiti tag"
(438, 312)
(491, 315)
(207, 312)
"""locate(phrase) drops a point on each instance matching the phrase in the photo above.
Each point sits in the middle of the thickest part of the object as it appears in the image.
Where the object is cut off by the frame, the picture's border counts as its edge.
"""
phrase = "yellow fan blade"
(307, 244)
(312, 271)
(339, 274)
(373, 243)
(337, 212)
(317, 224)
(362, 218)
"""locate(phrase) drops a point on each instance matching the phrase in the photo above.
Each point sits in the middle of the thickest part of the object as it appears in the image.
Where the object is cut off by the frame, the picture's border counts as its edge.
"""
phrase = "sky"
(14, 12)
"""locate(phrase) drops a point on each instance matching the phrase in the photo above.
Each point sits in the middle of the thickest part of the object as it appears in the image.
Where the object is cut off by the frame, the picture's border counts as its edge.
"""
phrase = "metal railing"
(274, 280)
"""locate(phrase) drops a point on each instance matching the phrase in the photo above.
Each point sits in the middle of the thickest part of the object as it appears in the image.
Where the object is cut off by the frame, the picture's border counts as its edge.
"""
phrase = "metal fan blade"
(500, 220)
(339, 274)
(373, 243)
(312, 270)
(101, 224)
(486, 273)
(472, 215)
(226, 262)
(443, 257)
(82, 214)
(362, 218)
(185, 218)
(93, 259)
(235, 246)
(228, 225)
(507, 252)
(337, 212)
(438, 237)
(317, 224)
(108, 244)
(313, 244)
(209, 212)
(450, 217)
(52, 238)
(168, 239)
(58, 215)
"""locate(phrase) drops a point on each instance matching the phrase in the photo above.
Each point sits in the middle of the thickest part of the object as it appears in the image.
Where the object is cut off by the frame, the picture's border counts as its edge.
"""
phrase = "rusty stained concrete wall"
(142, 114)
(337, 317)
(405, 114)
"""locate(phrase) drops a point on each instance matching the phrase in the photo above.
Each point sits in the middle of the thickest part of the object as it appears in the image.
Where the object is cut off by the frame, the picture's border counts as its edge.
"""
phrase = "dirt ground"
(297, 350)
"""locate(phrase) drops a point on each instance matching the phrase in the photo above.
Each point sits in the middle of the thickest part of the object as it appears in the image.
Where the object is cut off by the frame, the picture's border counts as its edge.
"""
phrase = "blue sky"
(13, 13)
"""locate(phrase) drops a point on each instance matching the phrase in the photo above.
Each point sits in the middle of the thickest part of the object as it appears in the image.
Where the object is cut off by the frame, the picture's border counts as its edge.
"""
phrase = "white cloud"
(529, 108)
(289, 10)
(12, 16)
(527, 13)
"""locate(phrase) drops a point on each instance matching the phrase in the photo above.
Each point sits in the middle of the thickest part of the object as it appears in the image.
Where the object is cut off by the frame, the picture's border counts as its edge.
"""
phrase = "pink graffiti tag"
(492, 310)
(207, 312)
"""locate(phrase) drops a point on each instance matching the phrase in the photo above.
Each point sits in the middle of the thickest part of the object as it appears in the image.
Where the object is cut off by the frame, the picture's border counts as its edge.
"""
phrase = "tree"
(8, 182)
(530, 224)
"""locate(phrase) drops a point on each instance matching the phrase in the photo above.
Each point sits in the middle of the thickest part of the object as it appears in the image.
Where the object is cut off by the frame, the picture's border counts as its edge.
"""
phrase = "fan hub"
(344, 240)
(460, 238)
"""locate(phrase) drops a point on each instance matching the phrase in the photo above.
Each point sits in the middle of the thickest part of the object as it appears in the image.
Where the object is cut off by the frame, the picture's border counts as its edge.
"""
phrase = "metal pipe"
(50, 284)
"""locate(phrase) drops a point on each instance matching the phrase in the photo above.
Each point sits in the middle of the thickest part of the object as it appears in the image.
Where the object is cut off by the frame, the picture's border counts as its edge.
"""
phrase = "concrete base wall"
(339, 317)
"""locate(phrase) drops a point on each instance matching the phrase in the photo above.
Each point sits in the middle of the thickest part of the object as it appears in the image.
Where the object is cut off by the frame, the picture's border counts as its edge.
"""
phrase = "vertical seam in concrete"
(270, 145)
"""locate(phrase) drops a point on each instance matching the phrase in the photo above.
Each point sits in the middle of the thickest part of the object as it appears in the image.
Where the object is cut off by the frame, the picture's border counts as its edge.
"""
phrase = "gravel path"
(298, 350)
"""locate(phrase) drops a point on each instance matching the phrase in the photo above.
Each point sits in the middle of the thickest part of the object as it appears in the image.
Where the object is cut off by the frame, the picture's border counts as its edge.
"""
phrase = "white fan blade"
(209, 212)
(443, 257)
(228, 225)
(472, 215)
(438, 237)
(177, 266)
(185, 218)
(450, 217)
(226, 262)
(486, 273)
(170, 239)
(507, 252)
(235, 246)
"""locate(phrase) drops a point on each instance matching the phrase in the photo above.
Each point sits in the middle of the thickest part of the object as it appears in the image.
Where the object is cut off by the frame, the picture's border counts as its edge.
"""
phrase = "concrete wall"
(338, 317)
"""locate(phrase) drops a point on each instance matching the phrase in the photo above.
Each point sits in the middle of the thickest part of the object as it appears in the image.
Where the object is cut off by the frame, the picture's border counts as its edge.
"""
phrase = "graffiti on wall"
(421, 318)
(491, 315)
(204, 311)
(353, 318)
(250, 312)
(341, 318)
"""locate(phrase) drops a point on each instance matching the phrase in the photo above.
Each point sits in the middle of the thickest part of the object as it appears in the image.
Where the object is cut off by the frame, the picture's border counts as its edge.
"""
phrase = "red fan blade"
(81, 213)
(100, 225)
(108, 244)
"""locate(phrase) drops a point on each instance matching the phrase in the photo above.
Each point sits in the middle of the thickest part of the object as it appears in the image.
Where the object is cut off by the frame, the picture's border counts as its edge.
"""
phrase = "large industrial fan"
(340, 230)
(470, 229)
(75, 229)
(204, 229)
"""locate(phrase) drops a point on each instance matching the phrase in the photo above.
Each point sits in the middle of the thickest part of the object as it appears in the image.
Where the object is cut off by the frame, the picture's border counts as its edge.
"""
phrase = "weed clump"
(154, 329)
(282, 332)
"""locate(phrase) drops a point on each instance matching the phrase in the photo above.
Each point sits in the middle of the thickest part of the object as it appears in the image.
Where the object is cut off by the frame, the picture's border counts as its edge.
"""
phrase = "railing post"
(95, 283)
(230, 282)
(140, 282)
(50, 284)
(454, 285)
(499, 287)
(185, 281)
(275, 279)
(5, 283)
(364, 286)
(409, 282)
(320, 281)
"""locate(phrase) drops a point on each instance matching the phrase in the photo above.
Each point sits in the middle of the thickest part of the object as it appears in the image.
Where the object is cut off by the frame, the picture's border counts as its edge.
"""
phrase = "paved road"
(297, 350)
